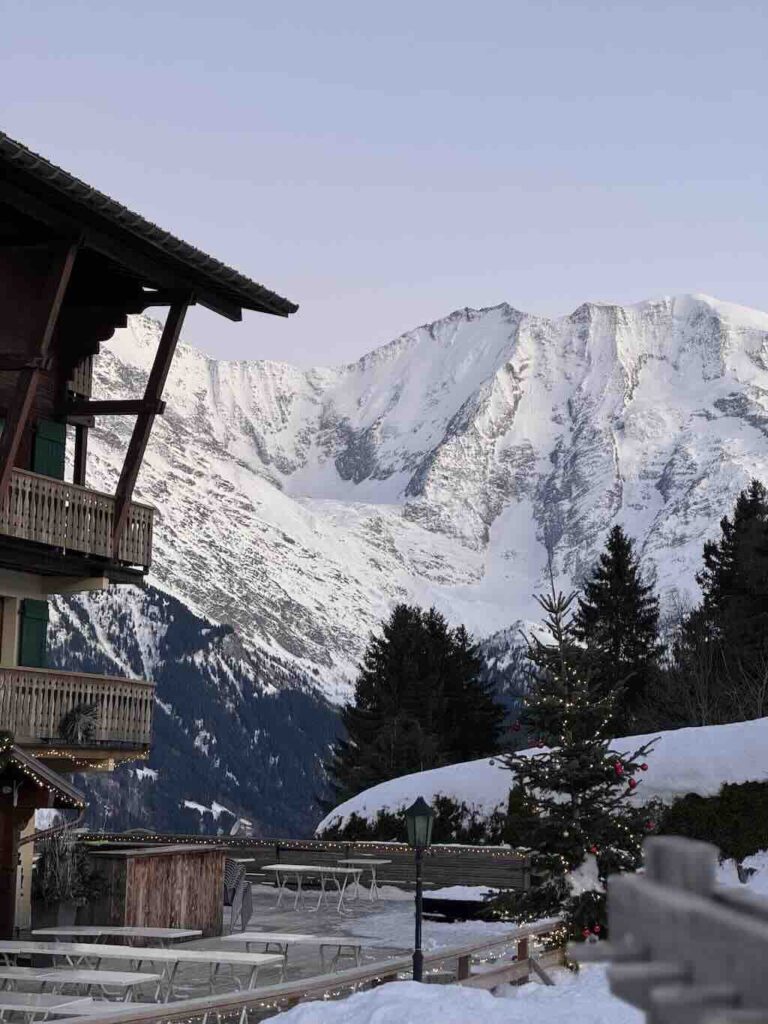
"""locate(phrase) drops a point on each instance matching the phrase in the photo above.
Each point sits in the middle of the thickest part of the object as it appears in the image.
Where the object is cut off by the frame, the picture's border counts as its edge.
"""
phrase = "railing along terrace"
(513, 961)
(500, 867)
(72, 518)
(682, 948)
(34, 702)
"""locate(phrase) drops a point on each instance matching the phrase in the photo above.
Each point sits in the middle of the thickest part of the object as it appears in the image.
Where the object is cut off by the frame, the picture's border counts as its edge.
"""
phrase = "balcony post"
(12, 821)
(9, 632)
(144, 421)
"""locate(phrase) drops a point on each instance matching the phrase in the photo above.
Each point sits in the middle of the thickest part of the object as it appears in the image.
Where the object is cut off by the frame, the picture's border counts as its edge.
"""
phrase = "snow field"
(575, 999)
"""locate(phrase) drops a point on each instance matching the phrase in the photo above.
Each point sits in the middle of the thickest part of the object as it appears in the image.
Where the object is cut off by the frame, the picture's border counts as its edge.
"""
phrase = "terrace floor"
(385, 924)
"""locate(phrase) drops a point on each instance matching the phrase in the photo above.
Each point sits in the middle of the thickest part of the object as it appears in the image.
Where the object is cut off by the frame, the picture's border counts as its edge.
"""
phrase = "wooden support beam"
(51, 299)
(81, 455)
(115, 407)
(10, 362)
(143, 427)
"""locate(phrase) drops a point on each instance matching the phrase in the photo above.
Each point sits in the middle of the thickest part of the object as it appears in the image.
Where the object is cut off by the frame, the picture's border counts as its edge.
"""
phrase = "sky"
(384, 164)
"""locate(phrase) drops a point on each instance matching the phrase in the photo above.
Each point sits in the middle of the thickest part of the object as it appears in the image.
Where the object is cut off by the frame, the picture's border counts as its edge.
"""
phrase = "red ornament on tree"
(650, 825)
(593, 849)
(586, 933)
(596, 929)
(632, 783)
(618, 768)
(643, 767)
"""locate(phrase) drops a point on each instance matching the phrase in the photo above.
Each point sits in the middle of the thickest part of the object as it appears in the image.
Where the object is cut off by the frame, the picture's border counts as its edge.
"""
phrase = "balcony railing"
(35, 701)
(81, 381)
(72, 518)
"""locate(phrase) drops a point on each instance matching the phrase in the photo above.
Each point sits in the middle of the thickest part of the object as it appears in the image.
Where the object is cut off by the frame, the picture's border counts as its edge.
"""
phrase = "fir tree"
(719, 658)
(418, 703)
(618, 621)
(569, 802)
(734, 580)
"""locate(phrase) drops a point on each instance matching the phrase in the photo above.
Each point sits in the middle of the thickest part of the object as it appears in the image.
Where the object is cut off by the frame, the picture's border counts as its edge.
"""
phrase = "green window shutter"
(32, 640)
(50, 448)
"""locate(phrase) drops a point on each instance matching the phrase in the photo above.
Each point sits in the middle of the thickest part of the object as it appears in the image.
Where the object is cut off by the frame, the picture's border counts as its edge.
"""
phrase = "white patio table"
(164, 936)
(324, 872)
(372, 864)
(94, 952)
(56, 978)
(35, 1004)
(345, 945)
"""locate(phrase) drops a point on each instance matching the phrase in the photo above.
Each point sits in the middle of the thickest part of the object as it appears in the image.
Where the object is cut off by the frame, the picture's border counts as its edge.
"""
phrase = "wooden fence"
(33, 702)
(493, 866)
(513, 962)
(682, 948)
(71, 518)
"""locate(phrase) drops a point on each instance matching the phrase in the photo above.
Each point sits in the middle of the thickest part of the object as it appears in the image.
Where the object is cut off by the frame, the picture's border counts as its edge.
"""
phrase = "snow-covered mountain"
(237, 734)
(297, 505)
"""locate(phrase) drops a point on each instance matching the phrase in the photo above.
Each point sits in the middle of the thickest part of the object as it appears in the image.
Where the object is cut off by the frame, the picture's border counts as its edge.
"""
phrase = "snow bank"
(696, 760)
(462, 892)
(575, 999)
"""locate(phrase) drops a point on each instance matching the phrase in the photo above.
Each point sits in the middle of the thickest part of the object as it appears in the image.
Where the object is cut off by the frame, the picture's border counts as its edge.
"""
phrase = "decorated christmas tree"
(570, 801)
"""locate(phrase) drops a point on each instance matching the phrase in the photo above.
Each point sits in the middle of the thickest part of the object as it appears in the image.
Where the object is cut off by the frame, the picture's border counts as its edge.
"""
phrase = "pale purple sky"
(385, 163)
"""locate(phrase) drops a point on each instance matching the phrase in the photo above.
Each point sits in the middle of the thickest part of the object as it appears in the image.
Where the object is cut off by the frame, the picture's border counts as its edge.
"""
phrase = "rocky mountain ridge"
(450, 466)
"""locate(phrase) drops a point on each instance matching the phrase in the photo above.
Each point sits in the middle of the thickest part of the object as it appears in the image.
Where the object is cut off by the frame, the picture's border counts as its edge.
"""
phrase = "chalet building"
(73, 265)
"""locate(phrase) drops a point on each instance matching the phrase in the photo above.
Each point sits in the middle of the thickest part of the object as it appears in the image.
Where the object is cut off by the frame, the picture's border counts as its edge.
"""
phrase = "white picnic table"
(164, 936)
(95, 952)
(372, 863)
(324, 872)
(33, 1004)
(345, 945)
(58, 977)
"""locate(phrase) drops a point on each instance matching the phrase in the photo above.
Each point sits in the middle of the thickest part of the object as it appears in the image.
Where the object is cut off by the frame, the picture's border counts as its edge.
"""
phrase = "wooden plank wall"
(443, 866)
(184, 890)
(496, 866)
(176, 891)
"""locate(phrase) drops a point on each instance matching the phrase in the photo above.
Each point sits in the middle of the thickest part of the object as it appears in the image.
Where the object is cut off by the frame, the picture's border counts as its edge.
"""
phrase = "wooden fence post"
(463, 967)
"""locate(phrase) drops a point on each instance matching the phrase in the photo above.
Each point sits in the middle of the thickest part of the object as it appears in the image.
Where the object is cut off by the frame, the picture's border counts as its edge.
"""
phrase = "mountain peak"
(444, 468)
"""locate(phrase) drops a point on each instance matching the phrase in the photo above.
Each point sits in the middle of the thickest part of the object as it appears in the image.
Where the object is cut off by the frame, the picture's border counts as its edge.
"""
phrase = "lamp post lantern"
(419, 819)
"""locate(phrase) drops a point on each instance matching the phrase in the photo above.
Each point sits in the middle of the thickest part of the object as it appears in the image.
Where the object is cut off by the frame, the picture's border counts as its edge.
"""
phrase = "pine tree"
(618, 621)
(418, 703)
(734, 580)
(569, 803)
(719, 662)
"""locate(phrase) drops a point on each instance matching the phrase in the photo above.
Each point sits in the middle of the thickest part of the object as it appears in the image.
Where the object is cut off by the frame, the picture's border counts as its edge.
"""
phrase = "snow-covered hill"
(299, 504)
(697, 760)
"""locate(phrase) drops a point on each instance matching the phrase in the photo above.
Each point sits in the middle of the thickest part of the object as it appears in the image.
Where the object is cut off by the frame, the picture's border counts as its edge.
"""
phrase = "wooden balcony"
(35, 701)
(74, 519)
(81, 381)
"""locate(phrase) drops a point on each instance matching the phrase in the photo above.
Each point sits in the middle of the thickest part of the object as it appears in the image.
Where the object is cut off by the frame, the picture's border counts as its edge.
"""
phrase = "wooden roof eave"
(153, 255)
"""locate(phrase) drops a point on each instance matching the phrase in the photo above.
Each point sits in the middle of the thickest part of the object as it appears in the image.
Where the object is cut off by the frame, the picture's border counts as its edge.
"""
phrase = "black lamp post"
(419, 819)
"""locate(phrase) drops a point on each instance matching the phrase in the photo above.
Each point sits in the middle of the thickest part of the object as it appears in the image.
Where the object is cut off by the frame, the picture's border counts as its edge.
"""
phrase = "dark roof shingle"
(219, 277)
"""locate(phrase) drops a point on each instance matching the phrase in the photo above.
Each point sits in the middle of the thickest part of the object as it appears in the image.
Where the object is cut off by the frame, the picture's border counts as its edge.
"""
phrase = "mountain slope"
(236, 733)
(445, 467)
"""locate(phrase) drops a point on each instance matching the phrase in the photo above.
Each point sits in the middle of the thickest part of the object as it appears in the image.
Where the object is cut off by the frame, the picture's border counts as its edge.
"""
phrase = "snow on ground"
(756, 867)
(462, 892)
(575, 999)
(695, 760)
(392, 927)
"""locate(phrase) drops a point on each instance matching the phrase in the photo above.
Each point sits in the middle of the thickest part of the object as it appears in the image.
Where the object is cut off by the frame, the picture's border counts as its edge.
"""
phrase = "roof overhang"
(61, 793)
(74, 209)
